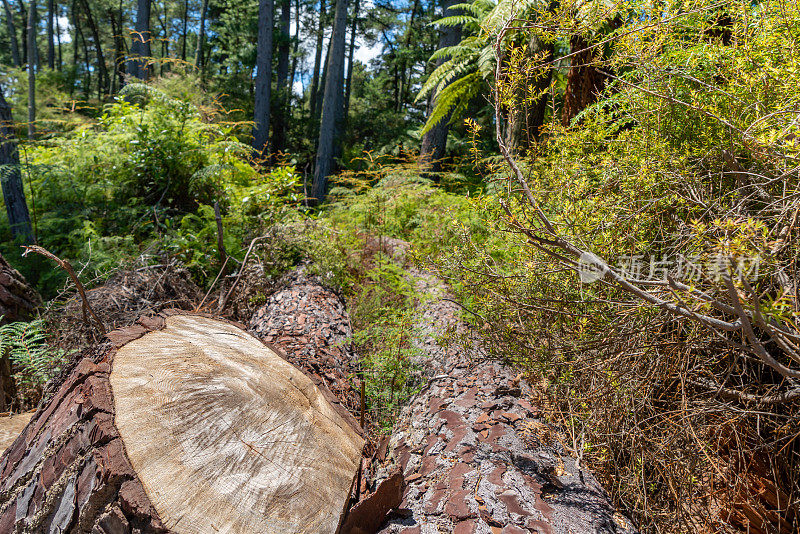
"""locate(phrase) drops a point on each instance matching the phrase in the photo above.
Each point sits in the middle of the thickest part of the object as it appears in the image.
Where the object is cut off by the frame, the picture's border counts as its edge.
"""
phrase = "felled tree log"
(473, 451)
(310, 324)
(18, 300)
(184, 424)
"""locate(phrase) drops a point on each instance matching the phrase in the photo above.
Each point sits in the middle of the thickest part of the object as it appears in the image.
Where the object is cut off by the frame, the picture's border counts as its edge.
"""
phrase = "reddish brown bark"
(584, 81)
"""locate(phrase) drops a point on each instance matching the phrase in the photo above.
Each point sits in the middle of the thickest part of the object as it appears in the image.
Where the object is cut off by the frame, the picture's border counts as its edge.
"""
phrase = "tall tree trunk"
(350, 55)
(584, 81)
(140, 45)
(404, 66)
(58, 39)
(87, 84)
(164, 39)
(331, 104)
(199, 59)
(102, 71)
(32, 69)
(263, 77)
(523, 123)
(13, 191)
(184, 31)
(12, 35)
(23, 12)
(295, 45)
(317, 59)
(281, 110)
(118, 77)
(51, 46)
(434, 142)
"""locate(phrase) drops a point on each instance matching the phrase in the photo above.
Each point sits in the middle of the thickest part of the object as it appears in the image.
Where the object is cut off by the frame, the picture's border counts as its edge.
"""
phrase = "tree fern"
(34, 360)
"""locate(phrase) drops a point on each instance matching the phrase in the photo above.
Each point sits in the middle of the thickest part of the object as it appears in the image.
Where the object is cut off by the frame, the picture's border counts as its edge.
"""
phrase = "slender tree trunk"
(12, 35)
(263, 77)
(87, 84)
(185, 25)
(199, 59)
(434, 142)
(317, 59)
(51, 47)
(322, 81)
(58, 40)
(164, 39)
(118, 77)
(102, 71)
(75, 29)
(32, 69)
(405, 76)
(11, 176)
(140, 45)
(281, 110)
(295, 45)
(331, 104)
(350, 55)
(23, 12)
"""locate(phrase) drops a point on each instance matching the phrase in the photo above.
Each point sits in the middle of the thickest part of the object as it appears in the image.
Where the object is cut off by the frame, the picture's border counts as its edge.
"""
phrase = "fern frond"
(454, 98)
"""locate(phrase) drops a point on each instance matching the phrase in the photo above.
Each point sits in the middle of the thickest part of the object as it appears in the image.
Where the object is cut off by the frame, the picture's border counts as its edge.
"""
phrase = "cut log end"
(219, 433)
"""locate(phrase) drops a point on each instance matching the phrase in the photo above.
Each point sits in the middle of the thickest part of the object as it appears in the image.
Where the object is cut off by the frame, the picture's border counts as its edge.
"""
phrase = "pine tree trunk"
(181, 423)
(281, 110)
(13, 191)
(315, 81)
(12, 35)
(350, 54)
(184, 31)
(140, 45)
(51, 47)
(331, 105)
(263, 77)
(32, 69)
(102, 71)
(24, 17)
(199, 58)
(434, 142)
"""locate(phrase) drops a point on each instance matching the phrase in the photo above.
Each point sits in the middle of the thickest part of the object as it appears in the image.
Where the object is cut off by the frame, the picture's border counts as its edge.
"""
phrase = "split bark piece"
(310, 324)
(184, 424)
(18, 300)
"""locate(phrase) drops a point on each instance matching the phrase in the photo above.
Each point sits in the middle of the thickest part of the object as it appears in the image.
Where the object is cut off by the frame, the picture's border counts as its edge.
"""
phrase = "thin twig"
(64, 264)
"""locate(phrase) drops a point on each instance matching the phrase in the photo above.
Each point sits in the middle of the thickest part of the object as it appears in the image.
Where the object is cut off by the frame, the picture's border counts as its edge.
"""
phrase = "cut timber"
(182, 424)
(18, 300)
(11, 426)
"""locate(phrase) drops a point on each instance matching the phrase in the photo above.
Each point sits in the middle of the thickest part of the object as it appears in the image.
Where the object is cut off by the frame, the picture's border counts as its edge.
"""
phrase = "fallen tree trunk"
(18, 300)
(310, 324)
(184, 424)
(473, 451)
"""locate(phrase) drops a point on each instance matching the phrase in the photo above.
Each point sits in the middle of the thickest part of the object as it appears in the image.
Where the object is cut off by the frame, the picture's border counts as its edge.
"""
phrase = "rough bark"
(199, 446)
(18, 300)
(329, 130)
(434, 142)
(263, 77)
(13, 192)
(280, 113)
(138, 63)
(584, 81)
(310, 324)
(12, 35)
(474, 451)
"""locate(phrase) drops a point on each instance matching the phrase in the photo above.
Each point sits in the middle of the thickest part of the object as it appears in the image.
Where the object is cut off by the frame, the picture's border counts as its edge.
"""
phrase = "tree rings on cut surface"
(215, 432)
